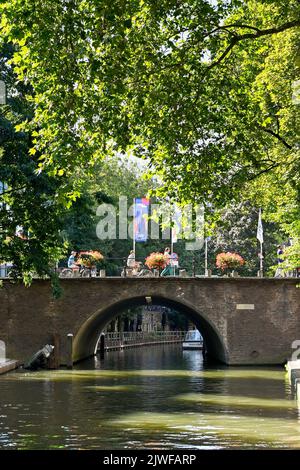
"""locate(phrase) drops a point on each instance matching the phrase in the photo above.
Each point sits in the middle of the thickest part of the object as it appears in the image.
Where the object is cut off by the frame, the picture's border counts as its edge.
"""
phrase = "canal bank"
(7, 365)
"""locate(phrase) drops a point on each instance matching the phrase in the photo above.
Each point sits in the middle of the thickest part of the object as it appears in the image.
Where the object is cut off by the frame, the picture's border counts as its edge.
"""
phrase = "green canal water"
(154, 398)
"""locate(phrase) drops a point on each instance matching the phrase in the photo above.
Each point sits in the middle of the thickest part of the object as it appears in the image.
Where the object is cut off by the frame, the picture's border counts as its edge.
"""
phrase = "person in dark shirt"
(279, 253)
(279, 272)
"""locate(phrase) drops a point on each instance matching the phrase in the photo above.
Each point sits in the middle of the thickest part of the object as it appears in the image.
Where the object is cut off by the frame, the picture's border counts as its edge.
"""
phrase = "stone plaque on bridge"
(245, 306)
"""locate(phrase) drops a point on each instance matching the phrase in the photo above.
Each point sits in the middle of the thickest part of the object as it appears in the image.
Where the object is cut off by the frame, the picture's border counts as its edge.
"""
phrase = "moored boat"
(193, 340)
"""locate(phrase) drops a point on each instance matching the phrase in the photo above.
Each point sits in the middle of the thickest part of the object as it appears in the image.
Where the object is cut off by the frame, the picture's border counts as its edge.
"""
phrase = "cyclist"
(71, 260)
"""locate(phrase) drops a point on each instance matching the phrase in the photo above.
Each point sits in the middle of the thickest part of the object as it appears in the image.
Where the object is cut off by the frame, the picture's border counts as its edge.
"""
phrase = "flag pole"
(205, 259)
(261, 260)
(260, 237)
(172, 244)
(133, 228)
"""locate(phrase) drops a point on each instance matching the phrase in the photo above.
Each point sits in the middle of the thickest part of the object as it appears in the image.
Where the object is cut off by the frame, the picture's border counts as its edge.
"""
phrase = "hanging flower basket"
(89, 258)
(226, 261)
(157, 261)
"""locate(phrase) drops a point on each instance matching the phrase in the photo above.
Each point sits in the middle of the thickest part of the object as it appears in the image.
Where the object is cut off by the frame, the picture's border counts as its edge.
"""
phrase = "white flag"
(260, 230)
(174, 235)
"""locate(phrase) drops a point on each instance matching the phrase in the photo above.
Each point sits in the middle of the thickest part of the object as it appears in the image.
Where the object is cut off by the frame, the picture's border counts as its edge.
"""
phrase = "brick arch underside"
(87, 336)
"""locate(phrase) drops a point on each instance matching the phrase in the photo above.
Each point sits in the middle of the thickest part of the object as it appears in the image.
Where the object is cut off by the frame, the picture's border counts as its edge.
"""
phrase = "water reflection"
(160, 397)
(111, 388)
(238, 430)
(73, 375)
(237, 401)
(193, 360)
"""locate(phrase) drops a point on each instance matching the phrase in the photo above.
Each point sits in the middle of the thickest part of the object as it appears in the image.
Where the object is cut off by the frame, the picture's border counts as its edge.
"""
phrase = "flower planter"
(156, 261)
(229, 261)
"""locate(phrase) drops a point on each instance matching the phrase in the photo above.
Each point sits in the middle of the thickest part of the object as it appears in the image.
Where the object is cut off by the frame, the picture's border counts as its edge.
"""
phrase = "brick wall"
(243, 320)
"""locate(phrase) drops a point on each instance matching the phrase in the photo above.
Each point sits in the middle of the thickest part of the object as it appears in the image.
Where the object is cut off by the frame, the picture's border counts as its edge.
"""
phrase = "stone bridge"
(242, 320)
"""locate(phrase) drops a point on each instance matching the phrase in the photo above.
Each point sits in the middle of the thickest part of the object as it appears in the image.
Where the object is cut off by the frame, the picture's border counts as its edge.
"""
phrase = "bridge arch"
(86, 338)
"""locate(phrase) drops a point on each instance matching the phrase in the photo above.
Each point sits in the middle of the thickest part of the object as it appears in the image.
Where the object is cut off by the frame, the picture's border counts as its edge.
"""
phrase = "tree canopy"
(30, 209)
(206, 91)
(203, 89)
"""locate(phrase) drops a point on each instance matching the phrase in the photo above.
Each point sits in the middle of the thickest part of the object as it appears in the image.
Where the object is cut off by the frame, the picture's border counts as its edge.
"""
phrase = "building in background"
(148, 318)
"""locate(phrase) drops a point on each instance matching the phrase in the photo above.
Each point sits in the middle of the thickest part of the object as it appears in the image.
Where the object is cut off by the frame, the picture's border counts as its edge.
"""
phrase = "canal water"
(154, 398)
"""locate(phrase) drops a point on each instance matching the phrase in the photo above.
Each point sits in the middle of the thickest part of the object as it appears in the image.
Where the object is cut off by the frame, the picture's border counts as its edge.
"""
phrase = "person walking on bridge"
(168, 269)
(279, 272)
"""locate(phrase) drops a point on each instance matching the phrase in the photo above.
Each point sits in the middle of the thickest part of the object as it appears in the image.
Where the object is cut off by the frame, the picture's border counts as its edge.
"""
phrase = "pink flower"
(89, 258)
(229, 260)
(157, 260)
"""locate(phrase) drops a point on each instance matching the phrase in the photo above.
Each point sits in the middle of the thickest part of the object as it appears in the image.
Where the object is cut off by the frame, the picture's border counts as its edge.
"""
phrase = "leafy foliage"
(190, 85)
(202, 90)
(30, 209)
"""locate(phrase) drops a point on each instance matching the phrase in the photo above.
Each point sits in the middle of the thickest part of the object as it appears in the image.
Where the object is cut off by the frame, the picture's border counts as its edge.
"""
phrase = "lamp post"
(207, 272)
(205, 259)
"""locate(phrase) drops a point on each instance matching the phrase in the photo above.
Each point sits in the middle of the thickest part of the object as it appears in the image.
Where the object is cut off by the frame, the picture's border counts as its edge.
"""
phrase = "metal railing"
(125, 339)
(122, 269)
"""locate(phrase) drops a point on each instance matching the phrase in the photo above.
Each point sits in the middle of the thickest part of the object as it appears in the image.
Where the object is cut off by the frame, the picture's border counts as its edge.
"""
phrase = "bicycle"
(81, 271)
(138, 271)
(145, 272)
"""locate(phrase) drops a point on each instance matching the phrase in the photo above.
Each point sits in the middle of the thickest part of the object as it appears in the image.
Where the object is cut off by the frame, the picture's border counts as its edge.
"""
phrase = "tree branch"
(9, 191)
(258, 33)
(277, 136)
(233, 42)
(227, 26)
(238, 25)
(266, 170)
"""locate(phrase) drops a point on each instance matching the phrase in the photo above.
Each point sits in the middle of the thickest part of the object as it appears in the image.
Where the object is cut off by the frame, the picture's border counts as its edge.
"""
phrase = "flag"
(260, 231)
(174, 235)
(140, 221)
